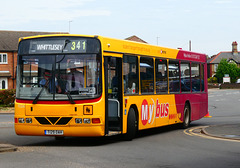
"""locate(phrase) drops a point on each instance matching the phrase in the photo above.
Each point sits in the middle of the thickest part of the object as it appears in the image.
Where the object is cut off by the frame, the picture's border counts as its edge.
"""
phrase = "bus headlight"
(78, 121)
(29, 120)
(86, 120)
(21, 120)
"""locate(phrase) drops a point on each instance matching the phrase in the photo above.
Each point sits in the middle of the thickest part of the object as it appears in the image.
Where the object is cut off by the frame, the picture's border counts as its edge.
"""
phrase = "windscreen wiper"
(70, 98)
(37, 97)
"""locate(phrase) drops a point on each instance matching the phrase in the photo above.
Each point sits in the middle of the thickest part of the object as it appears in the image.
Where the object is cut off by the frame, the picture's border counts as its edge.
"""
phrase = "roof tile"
(9, 39)
(226, 55)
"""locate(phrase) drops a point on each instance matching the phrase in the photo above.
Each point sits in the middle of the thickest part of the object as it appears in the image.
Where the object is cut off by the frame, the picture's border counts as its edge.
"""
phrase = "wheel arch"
(134, 106)
(132, 123)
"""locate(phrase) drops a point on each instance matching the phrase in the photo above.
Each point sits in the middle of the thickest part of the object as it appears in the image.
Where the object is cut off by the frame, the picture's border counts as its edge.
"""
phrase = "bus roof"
(112, 45)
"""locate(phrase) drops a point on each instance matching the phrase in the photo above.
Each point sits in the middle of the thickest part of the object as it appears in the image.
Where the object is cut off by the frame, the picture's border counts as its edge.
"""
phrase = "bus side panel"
(204, 105)
(154, 111)
(198, 104)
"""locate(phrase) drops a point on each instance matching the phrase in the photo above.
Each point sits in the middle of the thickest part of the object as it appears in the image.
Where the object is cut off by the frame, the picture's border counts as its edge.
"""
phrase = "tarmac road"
(168, 147)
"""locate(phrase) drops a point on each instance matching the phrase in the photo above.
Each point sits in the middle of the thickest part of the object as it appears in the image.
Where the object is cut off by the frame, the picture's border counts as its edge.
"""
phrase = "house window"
(232, 61)
(3, 83)
(215, 67)
(3, 58)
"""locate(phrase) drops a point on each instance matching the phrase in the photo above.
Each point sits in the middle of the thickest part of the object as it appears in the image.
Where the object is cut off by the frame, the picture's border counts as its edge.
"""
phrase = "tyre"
(186, 117)
(131, 125)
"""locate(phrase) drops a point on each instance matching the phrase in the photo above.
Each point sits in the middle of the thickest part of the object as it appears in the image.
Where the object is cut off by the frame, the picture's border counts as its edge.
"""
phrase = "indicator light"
(126, 100)
(96, 120)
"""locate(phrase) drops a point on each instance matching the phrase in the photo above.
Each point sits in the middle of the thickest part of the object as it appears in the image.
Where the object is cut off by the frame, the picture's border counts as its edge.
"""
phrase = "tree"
(226, 67)
(233, 72)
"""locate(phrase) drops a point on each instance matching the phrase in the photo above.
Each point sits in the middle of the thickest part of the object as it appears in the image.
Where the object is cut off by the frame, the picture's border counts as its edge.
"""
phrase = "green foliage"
(7, 97)
(225, 67)
(233, 72)
(212, 80)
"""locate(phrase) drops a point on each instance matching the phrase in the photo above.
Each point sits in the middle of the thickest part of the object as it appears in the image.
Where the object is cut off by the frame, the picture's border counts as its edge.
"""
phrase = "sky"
(211, 25)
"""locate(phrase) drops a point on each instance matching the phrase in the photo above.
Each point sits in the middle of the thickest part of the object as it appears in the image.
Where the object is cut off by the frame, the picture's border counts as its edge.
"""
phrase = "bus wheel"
(186, 117)
(131, 125)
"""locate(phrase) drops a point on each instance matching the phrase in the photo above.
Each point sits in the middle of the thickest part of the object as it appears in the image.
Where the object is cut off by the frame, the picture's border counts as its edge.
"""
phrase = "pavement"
(228, 131)
(7, 110)
(7, 148)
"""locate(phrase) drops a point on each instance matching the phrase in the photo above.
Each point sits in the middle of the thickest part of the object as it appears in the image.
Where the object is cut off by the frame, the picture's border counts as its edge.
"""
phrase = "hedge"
(7, 97)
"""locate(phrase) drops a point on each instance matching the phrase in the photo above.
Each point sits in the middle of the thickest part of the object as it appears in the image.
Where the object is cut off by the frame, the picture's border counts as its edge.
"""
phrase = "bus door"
(113, 91)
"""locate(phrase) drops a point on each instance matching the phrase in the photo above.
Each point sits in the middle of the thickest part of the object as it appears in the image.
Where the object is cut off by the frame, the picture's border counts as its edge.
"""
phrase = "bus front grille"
(53, 120)
(63, 120)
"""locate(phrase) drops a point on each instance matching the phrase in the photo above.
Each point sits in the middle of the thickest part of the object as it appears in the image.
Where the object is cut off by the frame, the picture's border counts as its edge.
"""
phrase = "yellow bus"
(78, 85)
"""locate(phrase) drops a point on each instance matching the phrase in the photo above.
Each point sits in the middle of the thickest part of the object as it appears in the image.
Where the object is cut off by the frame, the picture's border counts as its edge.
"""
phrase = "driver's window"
(30, 72)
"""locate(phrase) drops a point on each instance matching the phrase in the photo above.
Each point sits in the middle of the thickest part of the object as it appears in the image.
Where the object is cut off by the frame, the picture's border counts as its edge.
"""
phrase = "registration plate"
(53, 132)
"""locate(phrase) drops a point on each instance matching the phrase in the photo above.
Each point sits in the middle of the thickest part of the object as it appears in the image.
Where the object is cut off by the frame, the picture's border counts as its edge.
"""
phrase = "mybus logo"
(162, 110)
(150, 111)
(146, 112)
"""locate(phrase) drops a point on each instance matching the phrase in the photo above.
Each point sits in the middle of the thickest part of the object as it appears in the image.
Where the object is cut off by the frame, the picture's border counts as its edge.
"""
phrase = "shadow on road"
(100, 141)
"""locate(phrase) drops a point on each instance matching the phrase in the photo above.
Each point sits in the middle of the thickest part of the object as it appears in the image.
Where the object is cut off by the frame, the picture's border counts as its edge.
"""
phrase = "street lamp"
(190, 45)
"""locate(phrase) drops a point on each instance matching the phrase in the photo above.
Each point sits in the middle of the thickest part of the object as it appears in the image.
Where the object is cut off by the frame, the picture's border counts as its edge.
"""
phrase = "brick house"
(231, 56)
(8, 55)
(135, 38)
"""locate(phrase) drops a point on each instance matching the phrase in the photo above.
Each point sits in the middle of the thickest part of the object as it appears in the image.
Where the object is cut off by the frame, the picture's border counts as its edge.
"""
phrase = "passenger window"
(185, 77)
(202, 77)
(130, 74)
(146, 75)
(161, 76)
(195, 74)
(174, 84)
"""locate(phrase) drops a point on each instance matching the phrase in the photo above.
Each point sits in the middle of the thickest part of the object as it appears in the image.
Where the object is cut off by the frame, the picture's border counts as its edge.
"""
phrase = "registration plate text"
(53, 132)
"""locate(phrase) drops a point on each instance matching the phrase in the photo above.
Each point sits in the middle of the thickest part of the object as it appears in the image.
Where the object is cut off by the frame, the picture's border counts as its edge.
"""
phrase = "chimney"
(234, 48)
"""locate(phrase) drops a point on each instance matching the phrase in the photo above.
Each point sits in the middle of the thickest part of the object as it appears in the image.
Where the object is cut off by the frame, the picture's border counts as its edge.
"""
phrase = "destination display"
(58, 46)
